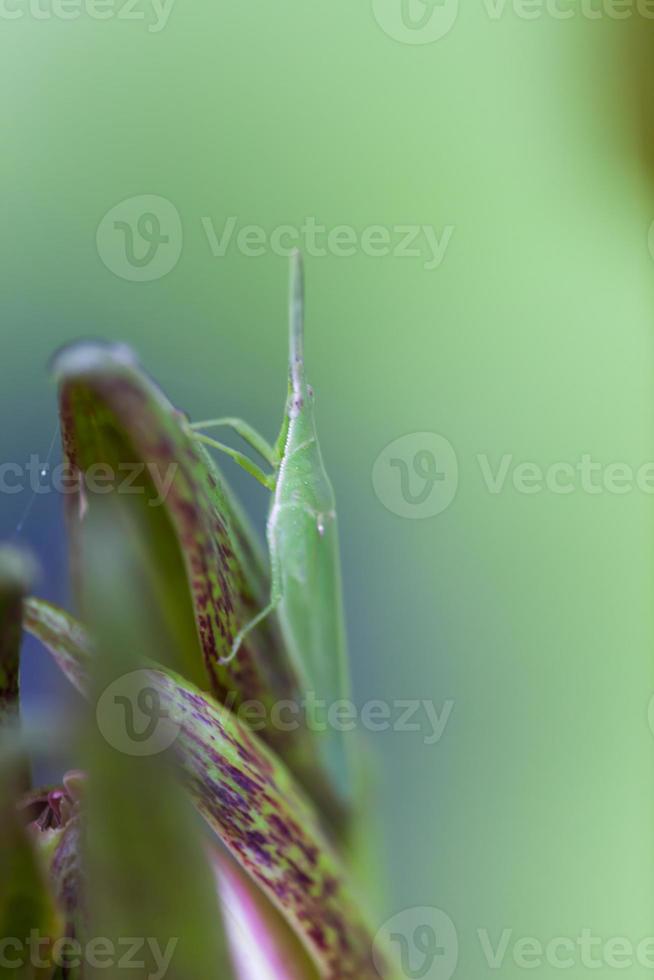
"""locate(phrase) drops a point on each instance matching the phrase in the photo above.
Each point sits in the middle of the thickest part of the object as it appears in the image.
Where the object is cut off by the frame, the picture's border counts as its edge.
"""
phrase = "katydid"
(302, 538)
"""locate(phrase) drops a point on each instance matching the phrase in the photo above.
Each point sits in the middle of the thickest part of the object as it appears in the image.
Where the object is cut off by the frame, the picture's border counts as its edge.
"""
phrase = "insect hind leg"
(275, 599)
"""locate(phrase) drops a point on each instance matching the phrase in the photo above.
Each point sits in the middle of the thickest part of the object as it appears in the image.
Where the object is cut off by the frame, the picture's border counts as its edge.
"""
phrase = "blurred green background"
(531, 612)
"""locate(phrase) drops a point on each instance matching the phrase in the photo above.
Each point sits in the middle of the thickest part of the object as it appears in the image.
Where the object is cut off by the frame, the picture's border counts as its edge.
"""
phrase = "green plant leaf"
(263, 945)
(148, 876)
(16, 574)
(252, 802)
(65, 638)
(26, 901)
(56, 834)
(36, 884)
(201, 572)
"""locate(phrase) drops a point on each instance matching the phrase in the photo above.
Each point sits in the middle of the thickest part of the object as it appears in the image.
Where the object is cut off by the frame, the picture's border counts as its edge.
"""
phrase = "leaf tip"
(85, 357)
(18, 569)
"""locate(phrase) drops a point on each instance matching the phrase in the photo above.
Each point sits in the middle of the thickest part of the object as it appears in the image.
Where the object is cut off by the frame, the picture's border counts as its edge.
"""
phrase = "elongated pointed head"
(296, 351)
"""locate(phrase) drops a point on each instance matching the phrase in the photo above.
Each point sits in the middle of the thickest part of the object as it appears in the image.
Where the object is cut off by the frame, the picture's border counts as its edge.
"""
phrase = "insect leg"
(268, 480)
(276, 593)
(246, 432)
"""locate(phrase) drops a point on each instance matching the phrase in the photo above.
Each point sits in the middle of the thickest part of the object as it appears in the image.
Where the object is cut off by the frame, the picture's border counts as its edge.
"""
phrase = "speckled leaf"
(16, 573)
(66, 640)
(263, 818)
(201, 571)
(251, 801)
(264, 947)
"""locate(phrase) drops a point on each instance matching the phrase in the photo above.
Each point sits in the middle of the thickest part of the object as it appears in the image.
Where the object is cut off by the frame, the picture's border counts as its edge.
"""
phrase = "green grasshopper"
(302, 535)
